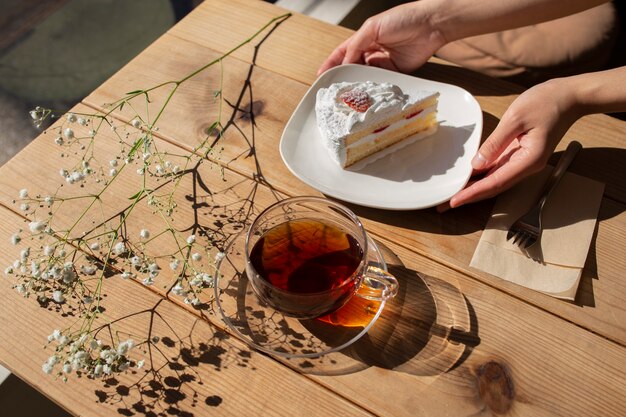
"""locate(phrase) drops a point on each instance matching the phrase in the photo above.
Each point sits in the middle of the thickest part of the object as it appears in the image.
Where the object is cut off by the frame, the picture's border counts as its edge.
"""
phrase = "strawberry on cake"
(360, 119)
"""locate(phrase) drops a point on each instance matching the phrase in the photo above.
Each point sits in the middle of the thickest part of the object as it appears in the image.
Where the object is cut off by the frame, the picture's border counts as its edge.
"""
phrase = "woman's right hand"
(400, 39)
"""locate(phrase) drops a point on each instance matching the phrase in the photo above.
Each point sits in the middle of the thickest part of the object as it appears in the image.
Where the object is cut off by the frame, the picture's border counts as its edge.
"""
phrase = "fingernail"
(479, 161)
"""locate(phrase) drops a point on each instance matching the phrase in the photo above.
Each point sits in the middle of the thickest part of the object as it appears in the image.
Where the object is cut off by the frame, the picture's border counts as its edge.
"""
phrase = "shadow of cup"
(427, 329)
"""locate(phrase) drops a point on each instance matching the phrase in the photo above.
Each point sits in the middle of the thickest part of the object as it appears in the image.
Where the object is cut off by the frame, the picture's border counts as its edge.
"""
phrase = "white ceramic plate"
(422, 174)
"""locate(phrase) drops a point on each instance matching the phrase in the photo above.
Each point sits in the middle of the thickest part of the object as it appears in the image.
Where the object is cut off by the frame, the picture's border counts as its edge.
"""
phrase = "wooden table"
(511, 351)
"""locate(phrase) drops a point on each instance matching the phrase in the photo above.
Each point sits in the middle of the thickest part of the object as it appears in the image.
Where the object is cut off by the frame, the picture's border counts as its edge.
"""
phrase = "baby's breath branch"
(69, 269)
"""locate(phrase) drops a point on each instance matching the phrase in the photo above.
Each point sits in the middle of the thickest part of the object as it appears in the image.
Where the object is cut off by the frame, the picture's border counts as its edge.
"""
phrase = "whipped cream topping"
(336, 119)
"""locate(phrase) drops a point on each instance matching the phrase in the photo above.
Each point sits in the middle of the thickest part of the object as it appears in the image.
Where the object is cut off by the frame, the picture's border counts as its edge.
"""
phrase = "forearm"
(457, 19)
(597, 92)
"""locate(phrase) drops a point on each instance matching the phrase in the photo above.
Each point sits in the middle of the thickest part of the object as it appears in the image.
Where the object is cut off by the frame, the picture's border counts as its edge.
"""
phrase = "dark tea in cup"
(307, 256)
(307, 266)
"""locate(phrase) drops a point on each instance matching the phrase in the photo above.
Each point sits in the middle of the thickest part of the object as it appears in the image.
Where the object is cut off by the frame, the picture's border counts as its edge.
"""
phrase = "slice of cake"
(360, 119)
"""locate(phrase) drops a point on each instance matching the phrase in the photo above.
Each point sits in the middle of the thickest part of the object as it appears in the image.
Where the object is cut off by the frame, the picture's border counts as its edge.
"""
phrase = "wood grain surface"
(455, 341)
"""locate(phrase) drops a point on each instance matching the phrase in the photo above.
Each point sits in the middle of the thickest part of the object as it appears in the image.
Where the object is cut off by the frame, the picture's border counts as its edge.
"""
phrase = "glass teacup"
(307, 256)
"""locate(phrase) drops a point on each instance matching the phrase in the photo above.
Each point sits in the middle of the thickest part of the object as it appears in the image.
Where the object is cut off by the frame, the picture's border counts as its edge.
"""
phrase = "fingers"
(352, 50)
(380, 59)
(335, 58)
(360, 42)
(507, 130)
(503, 176)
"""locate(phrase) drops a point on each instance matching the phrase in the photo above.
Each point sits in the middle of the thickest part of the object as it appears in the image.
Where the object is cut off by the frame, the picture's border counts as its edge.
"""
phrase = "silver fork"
(526, 230)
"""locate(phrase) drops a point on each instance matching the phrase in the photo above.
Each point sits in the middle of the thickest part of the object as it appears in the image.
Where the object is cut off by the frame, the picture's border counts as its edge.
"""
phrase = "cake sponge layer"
(389, 137)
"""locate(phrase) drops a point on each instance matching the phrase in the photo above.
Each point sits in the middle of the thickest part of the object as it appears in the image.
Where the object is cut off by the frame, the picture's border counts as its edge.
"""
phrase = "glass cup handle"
(378, 285)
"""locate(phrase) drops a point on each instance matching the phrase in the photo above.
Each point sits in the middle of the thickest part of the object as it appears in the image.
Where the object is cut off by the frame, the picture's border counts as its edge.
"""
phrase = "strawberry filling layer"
(413, 114)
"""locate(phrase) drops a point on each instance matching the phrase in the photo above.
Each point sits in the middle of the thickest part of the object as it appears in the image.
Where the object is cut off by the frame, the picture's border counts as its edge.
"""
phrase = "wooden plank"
(197, 368)
(308, 39)
(447, 337)
(449, 238)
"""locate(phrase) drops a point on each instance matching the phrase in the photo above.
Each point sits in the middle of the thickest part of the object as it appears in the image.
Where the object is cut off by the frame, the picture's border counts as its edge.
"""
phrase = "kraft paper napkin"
(569, 219)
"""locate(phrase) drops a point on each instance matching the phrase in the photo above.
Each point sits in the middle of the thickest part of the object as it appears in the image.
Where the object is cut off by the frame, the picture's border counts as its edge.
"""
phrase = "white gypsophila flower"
(176, 169)
(88, 269)
(58, 296)
(88, 299)
(136, 123)
(46, 368)
(196, 256)
(124, 347)
(113, 163)
(95, 246)
(21, 289)
(126, 275)
(23, 193)
(119, 248)
(112, 172)
(35, 270)
(37, 226)
(207, 279)
(140, 171)
(24, 206)
(191, 239)
(135, 260)
(174, 264)
(68, 133)
(8, 270)
(144, 233)
(67, 368)
(24, 254)
(123, 366)
(15, 239)
(196, 281)
(178, 289)
(78, 175)
(106, 369)
(92, 133)
(148, 281)
(71, 117)
(49, 200)
(48, 250)
(56, 333)
(140, 364)
(68, 275)
(82, 121)
(34, 114)
(17, 263)
(97, 370)
(153, 267)
(59, 140)
(64, 173)
(63, 340)
(159, 169)
(219, 256)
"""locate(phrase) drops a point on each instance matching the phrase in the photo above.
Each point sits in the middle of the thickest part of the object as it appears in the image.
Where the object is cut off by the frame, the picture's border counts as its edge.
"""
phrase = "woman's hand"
(522, 142)
(400, 39)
